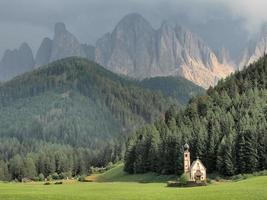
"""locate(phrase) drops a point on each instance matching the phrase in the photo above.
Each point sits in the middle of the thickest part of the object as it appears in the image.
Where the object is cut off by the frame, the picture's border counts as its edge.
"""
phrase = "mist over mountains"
(136, 49)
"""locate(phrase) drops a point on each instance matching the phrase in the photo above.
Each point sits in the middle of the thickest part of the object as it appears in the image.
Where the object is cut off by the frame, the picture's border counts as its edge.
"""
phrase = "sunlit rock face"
(135, 49)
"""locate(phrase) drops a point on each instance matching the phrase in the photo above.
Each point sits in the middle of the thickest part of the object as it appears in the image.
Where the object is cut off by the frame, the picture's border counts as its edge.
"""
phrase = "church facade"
(195, 171)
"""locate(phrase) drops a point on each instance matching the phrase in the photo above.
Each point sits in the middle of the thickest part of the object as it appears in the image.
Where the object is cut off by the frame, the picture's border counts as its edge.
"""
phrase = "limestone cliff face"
(129, 48)
(65, 44)
(256, 49)
(44, 52)
(135, 49)
(15, 62)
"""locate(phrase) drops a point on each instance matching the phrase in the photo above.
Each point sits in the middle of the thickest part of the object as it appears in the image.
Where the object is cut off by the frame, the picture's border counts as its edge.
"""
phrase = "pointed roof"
(194, 163)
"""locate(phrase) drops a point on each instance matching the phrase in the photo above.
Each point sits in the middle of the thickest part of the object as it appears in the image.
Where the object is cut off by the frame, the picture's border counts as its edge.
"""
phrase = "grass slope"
(117, 174)
(250, 189)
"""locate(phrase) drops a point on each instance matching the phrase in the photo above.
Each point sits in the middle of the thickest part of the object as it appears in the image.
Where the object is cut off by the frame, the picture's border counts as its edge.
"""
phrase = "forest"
(65, 117)
(226, 128)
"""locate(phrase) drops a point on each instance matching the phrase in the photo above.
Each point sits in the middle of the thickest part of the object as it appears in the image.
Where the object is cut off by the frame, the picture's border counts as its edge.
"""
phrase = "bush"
(238, 177)
(59, 183)
(41, 177)
(62, 176)
(263, 173)
(35, 178)
(109, 166)
(184, 179)
(247, 176)
(55, 176)
(47, 183)
(49, 178)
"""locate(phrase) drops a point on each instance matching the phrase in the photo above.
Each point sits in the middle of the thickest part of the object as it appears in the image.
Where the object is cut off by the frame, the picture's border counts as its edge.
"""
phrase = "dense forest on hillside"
(226, 128)
(177, 87)
(68, 116)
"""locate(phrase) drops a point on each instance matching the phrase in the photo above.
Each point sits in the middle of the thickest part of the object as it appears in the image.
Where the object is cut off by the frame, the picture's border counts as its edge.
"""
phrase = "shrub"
(41, 177)
(184, 179)
(49, 178)
(55, 176)
(109, 166)
(237, 177)
(62, 176)
(47, 183)
(35, 178)
(59, 183)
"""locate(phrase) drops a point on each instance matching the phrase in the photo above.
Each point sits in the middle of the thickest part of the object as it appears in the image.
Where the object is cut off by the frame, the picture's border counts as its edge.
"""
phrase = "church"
(195, 171)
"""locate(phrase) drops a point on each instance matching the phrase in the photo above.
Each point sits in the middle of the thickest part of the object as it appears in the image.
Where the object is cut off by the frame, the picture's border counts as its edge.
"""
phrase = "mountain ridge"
(134, 48)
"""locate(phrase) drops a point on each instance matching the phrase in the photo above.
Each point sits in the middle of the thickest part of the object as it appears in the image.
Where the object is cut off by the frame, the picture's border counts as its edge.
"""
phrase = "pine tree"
(250, 151)
(240, 153)
(225, 160)
(261, 150)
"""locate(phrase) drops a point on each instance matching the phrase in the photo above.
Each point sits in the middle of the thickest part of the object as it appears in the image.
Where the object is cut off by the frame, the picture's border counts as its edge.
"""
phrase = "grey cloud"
(31, 20)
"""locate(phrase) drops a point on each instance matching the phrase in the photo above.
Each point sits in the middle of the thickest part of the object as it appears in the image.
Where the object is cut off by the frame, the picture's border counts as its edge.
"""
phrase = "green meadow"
(250, 189)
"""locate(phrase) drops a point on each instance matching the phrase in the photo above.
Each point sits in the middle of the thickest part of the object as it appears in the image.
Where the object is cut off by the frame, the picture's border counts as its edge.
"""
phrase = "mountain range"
(134, 48)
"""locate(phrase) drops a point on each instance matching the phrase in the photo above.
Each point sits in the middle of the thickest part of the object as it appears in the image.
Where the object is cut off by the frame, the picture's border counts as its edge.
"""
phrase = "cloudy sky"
(32, 20)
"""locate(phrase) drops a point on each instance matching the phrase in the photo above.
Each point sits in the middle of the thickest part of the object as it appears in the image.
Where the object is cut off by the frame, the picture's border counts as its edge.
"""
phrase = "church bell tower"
(186, 159)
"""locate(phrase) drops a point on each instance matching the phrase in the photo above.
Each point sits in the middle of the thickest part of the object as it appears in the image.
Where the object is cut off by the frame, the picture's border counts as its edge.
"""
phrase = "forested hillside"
(177, 87)
(68, 116)
(226, 128)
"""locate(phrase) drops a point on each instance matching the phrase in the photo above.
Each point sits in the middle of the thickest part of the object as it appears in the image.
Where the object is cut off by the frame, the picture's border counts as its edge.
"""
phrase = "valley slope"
(72, 114)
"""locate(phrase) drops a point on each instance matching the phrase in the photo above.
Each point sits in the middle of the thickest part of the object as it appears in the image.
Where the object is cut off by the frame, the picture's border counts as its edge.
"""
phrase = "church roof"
(196, 162)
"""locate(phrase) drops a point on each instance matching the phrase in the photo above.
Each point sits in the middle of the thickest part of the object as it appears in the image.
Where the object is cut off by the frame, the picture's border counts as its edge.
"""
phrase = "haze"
(221, 23)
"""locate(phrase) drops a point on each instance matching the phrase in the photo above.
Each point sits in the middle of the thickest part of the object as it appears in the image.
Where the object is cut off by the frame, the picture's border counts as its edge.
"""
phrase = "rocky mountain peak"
(60, 28)
(133, 23)
(44, 52)
(65, 44)
(17, 61)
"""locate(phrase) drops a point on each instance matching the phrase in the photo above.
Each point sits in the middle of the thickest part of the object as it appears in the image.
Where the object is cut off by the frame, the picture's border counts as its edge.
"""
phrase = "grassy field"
(251, 189)
(117, 174)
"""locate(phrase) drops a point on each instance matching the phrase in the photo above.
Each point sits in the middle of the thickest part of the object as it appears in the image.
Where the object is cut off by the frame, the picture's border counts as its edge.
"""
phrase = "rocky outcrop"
(256, 48)
(129, 48)
(135, 49)
(65, 44)
(15, 62)
(43, 54)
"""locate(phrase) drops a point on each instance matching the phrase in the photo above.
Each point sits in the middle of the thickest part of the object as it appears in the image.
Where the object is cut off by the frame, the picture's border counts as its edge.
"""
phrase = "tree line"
(226, 128)
(67, 116)
(37, 160)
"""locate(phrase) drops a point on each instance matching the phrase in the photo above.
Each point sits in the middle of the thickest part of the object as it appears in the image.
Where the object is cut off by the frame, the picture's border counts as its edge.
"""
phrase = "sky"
(32, 20)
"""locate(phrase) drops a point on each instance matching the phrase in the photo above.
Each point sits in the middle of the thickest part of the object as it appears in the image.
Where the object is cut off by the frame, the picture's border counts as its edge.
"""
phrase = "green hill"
(76, 102)
(117, 174)
(226, 128)
(69, 115)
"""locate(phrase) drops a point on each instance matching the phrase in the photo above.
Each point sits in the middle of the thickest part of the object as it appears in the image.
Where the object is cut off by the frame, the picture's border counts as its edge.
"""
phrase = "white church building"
(195, 171)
